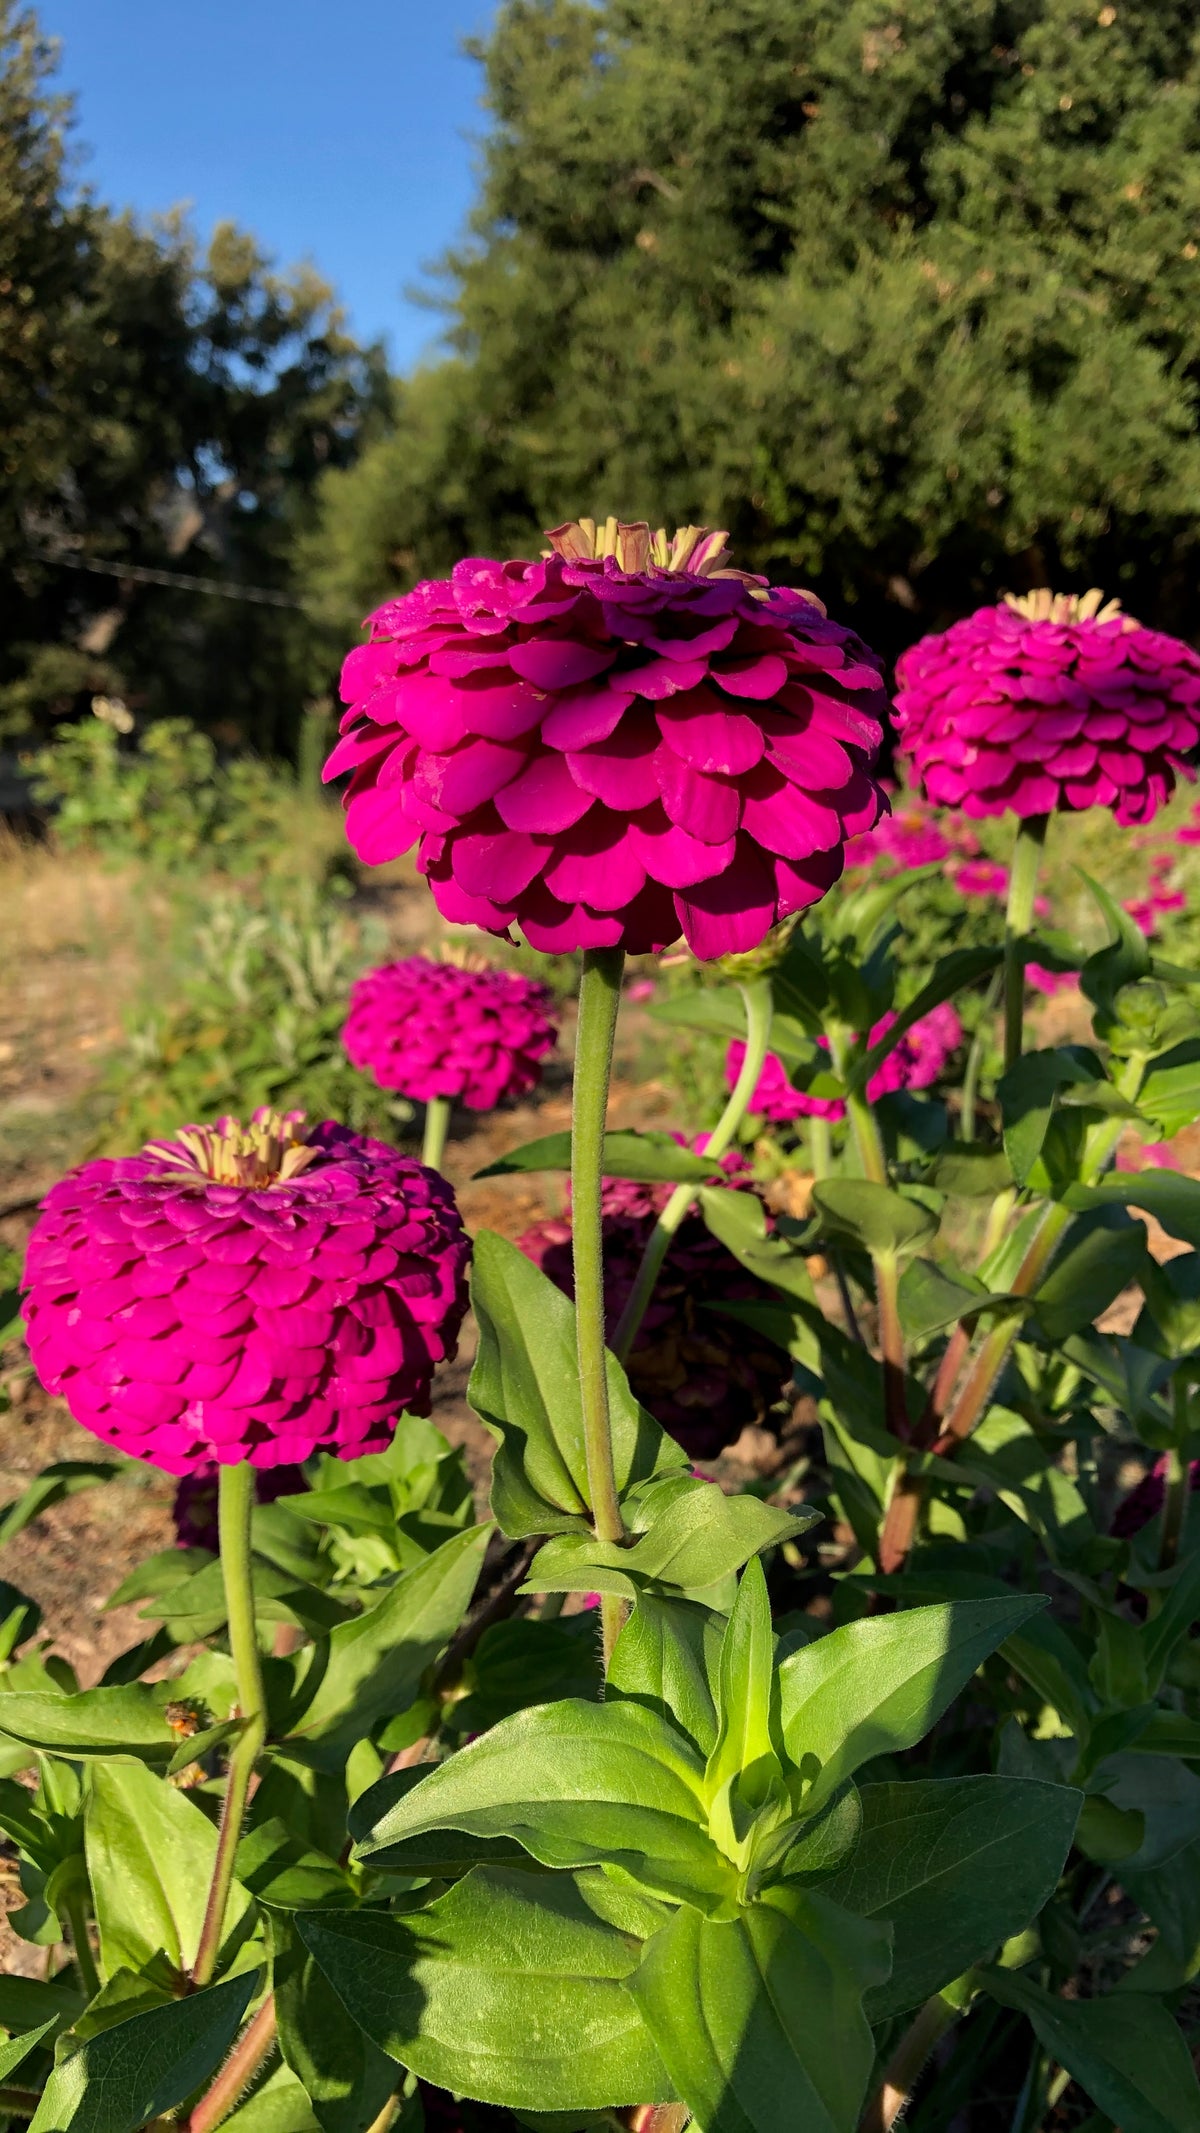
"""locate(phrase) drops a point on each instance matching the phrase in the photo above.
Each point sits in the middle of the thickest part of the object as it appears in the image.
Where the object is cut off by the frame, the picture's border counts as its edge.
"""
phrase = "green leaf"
(759, 2018)
(873, 1215)
(738, 1222)
(968, 1171)
(374, 1662)
(952, 974)
(1098, 1258)
(1124, 960)
(576, 1784)
(65, 1477)
(1171, 1198)
(647, 1157)
(956, 1866)
(1028, 1094)
(667, 1658)
(138, 2069)
(698, 1537)
(525, 1387)
(346, 2077)
(876, 1686)
(27, 2003)
(1125, 2050)
(745, 1685)
(277, 2104)
(1170, 1094)
(114, 1721)
(196, 1606)
(508, 1988)
(931, 1299)
(285, 1872)
(14, 2049)
(150, 1856)
(519, 1663)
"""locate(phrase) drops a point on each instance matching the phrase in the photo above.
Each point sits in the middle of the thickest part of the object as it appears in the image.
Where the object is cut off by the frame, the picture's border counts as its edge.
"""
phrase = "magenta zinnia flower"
(246, 1293)
(433, 1029)
(1047, 703)
(916, 1062)
(617, 744)
(703, 1377)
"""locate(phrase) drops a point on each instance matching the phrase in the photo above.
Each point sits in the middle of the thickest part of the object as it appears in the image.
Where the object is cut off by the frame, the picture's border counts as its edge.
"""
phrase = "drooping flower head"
(622, 742)
(253, 1293)
(1047, 703)
(429, 1029)
(703, 1377)
(916, 1062)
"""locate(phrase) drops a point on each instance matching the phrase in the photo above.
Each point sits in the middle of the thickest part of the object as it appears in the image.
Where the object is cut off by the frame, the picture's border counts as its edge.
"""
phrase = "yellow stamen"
(1046, 606)
(271, 1149)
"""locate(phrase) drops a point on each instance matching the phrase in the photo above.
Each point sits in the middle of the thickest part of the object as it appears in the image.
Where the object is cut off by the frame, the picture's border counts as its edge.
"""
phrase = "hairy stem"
(235, 1505)
(906, 2063)
(1022, 887)
(599, 999)
(75, 1912)
(437, 1125)
(238, 2072)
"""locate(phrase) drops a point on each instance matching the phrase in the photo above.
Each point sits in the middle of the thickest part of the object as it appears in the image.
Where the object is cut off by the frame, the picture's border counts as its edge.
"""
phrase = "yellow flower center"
(272, 1148)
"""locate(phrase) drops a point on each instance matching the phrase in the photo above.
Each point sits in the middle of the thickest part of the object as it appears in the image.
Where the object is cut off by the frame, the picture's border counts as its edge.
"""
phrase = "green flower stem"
(248, 2055)
(758, 1005)
(75, 1912)
(1178, 1478)
(23, 2102)
(820, 1147)
(437, 1125)
(235, 1505)
(904, 2067)
(599, 1000)
(1022, 886)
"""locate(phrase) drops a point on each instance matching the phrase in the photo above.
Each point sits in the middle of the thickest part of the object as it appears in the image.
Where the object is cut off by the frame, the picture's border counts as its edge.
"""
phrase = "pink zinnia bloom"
(915, 1063)
(433, 1029)
(1049, 703)
(982, 877)
(1050, 981)
(909, 837)
(620, 743)
(246, 1293)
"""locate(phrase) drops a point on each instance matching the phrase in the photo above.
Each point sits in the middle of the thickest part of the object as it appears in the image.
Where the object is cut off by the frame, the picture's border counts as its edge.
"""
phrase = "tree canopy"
(159, 408)
(904, 292)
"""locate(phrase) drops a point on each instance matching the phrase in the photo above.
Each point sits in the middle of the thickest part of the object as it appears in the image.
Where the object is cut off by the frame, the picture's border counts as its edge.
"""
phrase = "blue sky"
(339, 133)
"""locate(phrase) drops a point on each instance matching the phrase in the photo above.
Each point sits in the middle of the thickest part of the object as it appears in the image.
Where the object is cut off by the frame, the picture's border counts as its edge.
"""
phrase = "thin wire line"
(221, 588)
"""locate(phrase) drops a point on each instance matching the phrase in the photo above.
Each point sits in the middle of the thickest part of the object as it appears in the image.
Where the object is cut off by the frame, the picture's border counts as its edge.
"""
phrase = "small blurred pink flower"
(982, 877)
(640, 989)
(1050, 981)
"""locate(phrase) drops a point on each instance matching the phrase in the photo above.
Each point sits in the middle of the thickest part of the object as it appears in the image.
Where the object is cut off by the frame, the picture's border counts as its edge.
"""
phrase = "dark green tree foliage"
(906, 292)
(158, 408)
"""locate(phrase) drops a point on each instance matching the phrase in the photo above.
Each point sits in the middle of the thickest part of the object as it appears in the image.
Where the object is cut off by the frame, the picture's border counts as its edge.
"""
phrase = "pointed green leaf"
(745, 1686)
(952, 974)
(525, 1387)
(150, 1857)
(873, 1215)
(956, 1866)
(759, 2019)
(14, 2049)
(576, 1784)
(693, 1536)
(507, 1989)
(112, 1721)
(126, 2075)
(646, 1157)
(345, 2076)
(667, 1657)
(876, 1686)
(374, 1662)
(1125, 2050)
